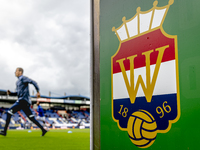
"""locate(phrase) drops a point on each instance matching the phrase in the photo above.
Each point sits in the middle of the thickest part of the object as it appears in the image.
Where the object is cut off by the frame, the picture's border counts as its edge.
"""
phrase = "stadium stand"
(55, 117)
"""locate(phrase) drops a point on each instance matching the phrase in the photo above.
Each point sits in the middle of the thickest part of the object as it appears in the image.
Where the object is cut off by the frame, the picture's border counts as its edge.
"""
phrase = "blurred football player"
(23, 102)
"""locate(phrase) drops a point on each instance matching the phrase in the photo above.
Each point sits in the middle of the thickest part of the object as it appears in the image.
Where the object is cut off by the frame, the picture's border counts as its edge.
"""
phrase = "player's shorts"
(21, 105)
(40, 118)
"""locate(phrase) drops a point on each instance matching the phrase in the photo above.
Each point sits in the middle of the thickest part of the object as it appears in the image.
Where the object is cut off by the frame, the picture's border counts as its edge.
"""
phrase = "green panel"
(182, 20)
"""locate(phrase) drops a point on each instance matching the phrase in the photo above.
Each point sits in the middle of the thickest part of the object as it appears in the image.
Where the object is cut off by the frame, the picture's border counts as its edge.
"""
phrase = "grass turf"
(79, 139)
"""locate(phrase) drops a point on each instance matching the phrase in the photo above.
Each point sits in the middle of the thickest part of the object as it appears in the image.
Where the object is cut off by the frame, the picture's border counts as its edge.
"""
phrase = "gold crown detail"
(142, 22)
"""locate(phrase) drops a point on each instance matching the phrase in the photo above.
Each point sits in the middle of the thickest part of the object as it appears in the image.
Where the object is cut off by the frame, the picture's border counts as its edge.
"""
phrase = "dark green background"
(182, 20)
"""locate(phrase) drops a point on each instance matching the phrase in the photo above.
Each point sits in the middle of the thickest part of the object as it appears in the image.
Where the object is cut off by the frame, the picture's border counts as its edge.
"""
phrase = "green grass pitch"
(79, 139)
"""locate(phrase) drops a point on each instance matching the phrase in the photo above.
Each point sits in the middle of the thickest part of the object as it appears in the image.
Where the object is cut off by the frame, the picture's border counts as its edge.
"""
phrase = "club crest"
(145, 80)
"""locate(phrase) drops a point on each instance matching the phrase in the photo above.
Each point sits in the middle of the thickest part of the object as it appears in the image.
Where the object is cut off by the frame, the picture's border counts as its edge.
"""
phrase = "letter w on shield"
(149, 88)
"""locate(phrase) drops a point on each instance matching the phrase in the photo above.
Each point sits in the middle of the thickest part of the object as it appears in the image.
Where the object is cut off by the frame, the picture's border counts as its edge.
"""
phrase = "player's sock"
(47, 127)
(44, 124)
(7, 123)
(39, 125)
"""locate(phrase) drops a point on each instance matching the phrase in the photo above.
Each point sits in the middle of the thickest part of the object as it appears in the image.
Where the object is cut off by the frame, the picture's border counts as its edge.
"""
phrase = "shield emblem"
(145, 83)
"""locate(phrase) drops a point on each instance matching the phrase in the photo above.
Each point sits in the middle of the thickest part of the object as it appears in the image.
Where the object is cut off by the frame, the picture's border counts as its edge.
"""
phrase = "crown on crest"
(142, 22)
